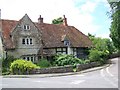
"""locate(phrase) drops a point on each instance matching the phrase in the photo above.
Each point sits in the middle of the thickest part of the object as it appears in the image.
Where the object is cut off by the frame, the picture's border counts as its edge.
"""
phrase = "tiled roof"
(7, 27)
(51, 35)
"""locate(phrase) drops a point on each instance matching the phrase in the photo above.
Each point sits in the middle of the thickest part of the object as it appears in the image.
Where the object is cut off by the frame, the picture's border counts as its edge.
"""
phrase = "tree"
(57, 21)
(102, 44)
(115, 25)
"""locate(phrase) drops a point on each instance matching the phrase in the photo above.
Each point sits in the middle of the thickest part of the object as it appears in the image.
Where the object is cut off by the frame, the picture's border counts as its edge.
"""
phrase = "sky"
(89, 16)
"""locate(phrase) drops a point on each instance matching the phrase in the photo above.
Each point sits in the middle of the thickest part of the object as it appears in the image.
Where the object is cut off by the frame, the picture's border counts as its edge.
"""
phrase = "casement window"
(26, 27)
(23, 41)
(31, 40)
(67, 43)
(61, 50)
(29, 58)
(27, 41)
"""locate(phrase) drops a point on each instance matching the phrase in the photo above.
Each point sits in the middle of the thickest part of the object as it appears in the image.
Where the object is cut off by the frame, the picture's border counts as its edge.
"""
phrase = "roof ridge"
(10, 20)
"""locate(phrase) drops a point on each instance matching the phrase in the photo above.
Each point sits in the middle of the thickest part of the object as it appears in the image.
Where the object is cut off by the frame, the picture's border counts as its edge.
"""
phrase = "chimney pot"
(65, 21)
(40, 19)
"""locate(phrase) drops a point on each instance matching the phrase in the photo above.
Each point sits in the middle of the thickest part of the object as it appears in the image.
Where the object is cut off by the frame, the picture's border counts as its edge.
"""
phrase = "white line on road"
(103, 75)
(107, 69)
(77, 81)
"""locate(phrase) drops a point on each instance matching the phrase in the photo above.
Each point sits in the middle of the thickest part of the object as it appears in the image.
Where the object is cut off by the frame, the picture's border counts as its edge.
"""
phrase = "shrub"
(94, 55)
(22, 67)
(99, 56)
(62, 60)
(86, 61)
(44, 63)
(6, 62)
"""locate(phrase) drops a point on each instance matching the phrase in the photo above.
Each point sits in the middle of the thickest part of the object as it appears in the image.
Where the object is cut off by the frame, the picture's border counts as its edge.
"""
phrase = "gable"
(25, 21)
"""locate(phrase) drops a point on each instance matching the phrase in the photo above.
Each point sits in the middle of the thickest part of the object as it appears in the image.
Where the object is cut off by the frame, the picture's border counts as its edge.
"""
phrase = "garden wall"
(115, 55)
(86, 66)
(64, 69)
(60, 69)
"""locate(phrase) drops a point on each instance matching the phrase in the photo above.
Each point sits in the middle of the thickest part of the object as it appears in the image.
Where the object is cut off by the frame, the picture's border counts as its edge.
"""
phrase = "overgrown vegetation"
(6, 62)
(102, 48)
(62, 60)
(44, 63)
(22, 67)
(57, 21)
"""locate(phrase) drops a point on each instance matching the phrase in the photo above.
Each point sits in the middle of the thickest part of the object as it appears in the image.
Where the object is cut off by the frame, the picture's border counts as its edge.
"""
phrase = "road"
(104, 78)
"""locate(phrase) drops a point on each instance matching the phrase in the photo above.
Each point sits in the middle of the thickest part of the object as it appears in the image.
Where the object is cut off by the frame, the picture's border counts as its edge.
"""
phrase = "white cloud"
(80, 17)
(104, 35)
(88, 7)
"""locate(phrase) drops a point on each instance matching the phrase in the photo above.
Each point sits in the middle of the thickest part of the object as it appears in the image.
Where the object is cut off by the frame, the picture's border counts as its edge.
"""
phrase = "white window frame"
(61, 50)
(31, 58)
(26, 27)
(67, 43)
(28, 41)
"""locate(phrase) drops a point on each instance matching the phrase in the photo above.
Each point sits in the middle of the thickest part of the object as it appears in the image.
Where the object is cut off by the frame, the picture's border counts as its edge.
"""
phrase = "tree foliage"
(57, 21)
(102, 48)
(102, 44)
(115, 26)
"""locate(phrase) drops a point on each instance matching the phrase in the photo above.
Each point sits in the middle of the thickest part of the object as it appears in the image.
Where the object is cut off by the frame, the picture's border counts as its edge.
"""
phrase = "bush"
(6, 62)
(94, 55)
(43, 63)
(62, 60)
(22, 67)
(97, 56)
(86, 61)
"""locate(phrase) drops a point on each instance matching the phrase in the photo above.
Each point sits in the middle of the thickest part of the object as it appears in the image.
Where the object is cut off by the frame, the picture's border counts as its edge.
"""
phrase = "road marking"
(77, 81)
(103, 75)
(107, 69)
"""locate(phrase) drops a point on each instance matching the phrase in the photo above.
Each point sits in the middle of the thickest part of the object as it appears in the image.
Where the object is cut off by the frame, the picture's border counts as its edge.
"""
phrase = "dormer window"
(66, 42)
(26, 27)
(65, 39)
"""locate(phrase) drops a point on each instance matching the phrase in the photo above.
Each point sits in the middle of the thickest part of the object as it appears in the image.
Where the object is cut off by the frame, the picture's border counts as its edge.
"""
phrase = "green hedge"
(22, 67)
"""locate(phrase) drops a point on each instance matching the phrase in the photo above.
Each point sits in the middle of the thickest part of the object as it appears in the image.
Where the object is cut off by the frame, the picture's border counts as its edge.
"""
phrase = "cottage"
(31, 40)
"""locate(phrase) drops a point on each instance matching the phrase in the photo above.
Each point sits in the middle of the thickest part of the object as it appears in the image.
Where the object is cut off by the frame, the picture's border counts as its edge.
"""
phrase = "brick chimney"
(65, 21)
(40, 19)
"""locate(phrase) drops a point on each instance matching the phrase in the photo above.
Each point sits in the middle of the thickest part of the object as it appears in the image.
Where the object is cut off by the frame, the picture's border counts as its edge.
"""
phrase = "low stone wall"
(86, 66)
(60, 69)
(64, 69)
(115, 55)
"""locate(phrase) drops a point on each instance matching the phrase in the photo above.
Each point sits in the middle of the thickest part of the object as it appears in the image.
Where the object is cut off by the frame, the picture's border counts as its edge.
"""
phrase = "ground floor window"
(61, 50)
(75, 52)
(82, 53)
(29, 58)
